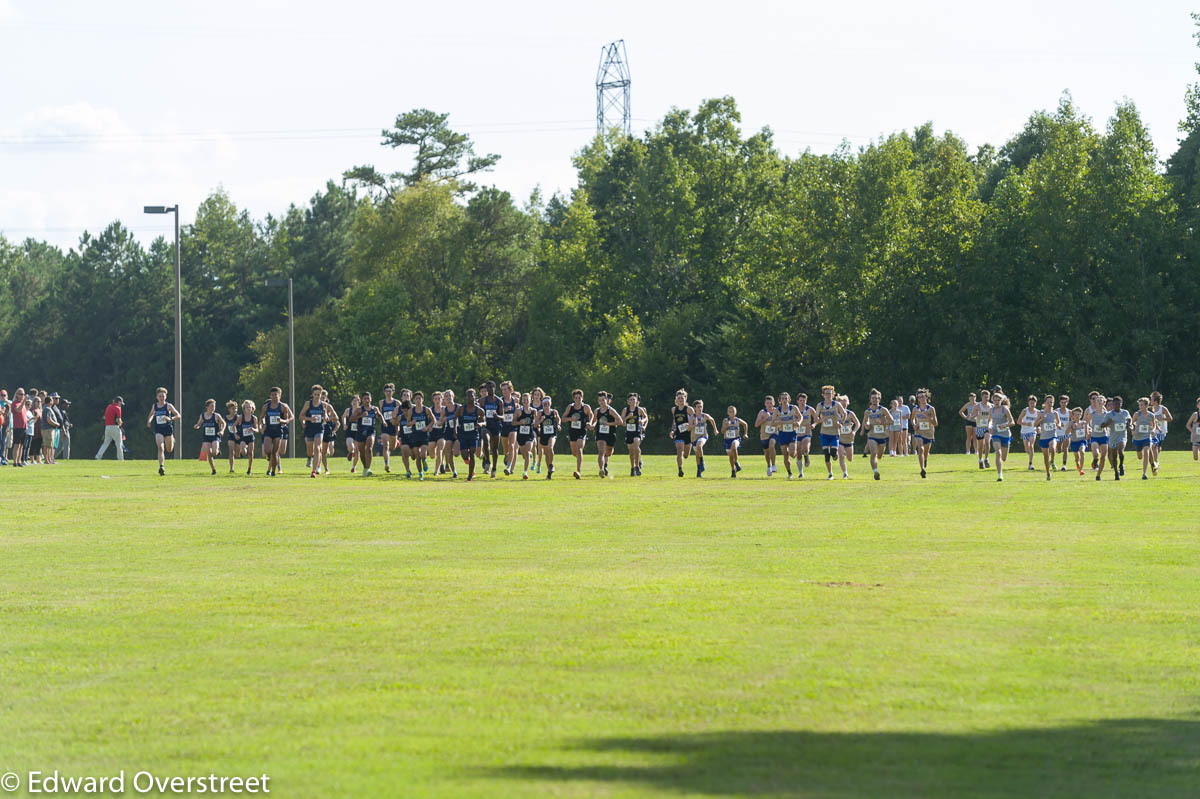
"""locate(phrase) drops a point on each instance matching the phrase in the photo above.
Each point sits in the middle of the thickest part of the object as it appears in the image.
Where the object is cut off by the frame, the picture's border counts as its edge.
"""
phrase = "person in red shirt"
(112, 429)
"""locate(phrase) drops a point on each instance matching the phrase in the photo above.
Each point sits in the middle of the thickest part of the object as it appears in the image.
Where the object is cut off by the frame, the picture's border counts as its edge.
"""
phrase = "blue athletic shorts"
(1098, 440)
(1004, 441)
(783, 439)
(1045, 444)
(730, 443)
(829, 442)
(1078, 446)
(1141, 445)
(922, 438)
(1030, 436)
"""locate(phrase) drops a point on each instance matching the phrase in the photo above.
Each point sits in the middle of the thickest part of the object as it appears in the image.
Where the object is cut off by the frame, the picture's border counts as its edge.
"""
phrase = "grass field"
(652, 637)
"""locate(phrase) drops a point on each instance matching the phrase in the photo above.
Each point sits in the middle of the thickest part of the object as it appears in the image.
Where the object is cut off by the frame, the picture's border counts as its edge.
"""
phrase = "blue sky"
(111, 106)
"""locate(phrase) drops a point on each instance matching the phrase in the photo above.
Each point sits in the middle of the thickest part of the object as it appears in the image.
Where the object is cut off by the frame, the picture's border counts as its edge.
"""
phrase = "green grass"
(662, 636)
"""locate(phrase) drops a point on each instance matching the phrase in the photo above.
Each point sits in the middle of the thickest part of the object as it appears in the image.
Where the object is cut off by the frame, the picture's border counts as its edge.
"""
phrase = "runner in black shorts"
(548, 425)
(635, 420)
(605, 421)
(578, 417)
(523, 427)
(419, 420)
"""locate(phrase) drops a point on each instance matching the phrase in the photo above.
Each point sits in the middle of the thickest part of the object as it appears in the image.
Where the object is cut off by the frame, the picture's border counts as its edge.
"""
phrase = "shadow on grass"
(1125, 757)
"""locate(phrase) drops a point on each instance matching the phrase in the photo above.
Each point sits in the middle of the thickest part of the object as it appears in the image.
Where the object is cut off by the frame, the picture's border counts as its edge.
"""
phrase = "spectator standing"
(17, 418)
(112, 429)
(5, 427)
(63, 450)
(50, 425)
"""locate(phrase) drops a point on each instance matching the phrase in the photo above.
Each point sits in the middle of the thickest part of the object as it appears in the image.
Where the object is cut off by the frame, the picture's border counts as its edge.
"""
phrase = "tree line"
(692, 255)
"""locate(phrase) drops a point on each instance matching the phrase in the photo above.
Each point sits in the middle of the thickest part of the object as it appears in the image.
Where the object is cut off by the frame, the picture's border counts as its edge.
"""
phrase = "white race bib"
(210, 431)
(787, 427)
(508, 417)
(576, 424)
(1049, 427)
(631, 427)
(731, 432)
(769, 429)
(603, 429)
(418, 425)
(1119, 427)
(162, 420)
(1143, 428)
(490, 412)
(548, 428)
(1002, 429)
(524, 430)
(828, 422)
(878, 429)
(367, 421)
(923, 425)
(468, 426)
(845, 429)
(387, 416)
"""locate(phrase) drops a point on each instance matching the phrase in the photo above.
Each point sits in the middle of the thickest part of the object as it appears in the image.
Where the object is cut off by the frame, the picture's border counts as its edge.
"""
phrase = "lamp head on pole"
(276, 282)
(160, 209)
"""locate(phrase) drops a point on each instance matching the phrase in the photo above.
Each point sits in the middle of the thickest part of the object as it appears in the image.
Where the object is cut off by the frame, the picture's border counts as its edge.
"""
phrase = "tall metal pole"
(292, 366)
(178, 340)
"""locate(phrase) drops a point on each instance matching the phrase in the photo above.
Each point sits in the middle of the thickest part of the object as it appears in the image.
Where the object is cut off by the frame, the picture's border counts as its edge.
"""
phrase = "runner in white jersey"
(1047, 436)
(1193, 428)
(1145, 425)
(1163, 417)
(1097, 418)
(1064, 419)
(878, 420)
(925, 424)
(847, 430)
(968, 412)
(1029, 427)
(831, 414)
(1002, 424)
(983, 429)
(765, 422)
(1077, 436)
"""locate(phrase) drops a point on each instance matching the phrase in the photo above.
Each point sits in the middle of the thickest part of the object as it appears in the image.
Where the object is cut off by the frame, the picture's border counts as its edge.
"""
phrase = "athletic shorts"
(544, 439)
(1030, 436)
(468, 440)
(1047, 443)
(829, 442)
(276, 434)
(608, 438)
(1118, 443)
(633, 438)
(922, 438)
(1004, 441)
(846, 444)
(767, 441)
(1098, 440)
(785, 438)
(685, 441)
(313, 431)
(419, 439)
(210, 439)
(387, 429)
(493, 426)
(731, 443)
(1141, 445)
(1079, 446)
(981, 432)
(576, 433)
(801, 436)
(506, 428)
(523, 438)
(879, 442)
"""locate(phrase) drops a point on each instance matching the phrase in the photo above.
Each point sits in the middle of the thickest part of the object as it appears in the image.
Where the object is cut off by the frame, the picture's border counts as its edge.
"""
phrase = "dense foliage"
(690, 256)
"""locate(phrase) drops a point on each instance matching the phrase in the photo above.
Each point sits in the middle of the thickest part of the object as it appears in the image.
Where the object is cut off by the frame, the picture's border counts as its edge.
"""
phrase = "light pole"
(174, 209)
(276, 282)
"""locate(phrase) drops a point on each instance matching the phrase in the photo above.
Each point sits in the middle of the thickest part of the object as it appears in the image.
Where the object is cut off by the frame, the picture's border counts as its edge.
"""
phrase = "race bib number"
(418, 426)
(406, 428)
(924, 425)
(1119, 427)
(162, 420)
(524, 430)
(576, 424)
(631, 427)
(508, 417)
(603, 429)
(367, 421)
(1143, 428)
(490, 413)
(878, 429)
(787, 427)
(801, 429)
(846, 429)
(387, 416)
(828, 423)
(548, 429)
(468, 427)
(354, 427)
(1002, 429)
(317, 417)
(1049, 427)
(210, 431)
(769, 429)
(247, 430)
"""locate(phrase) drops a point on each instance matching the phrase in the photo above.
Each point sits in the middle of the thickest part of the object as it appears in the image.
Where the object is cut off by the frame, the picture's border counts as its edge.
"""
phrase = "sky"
(111, 106)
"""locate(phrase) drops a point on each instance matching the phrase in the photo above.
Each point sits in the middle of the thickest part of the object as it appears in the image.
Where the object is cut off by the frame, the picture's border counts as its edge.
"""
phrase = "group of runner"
(492, 431)
(1104, 428)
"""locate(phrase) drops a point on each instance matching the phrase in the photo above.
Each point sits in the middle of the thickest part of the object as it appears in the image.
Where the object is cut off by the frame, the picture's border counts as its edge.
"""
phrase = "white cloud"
(8, 13)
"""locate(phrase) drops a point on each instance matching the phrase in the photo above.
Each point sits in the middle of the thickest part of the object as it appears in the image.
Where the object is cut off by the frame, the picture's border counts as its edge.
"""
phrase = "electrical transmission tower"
(612, 89)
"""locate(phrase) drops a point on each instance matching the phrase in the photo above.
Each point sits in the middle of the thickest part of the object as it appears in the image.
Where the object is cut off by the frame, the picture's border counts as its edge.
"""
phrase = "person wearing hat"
(112, 428)
(50, 426)
(63, 450)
